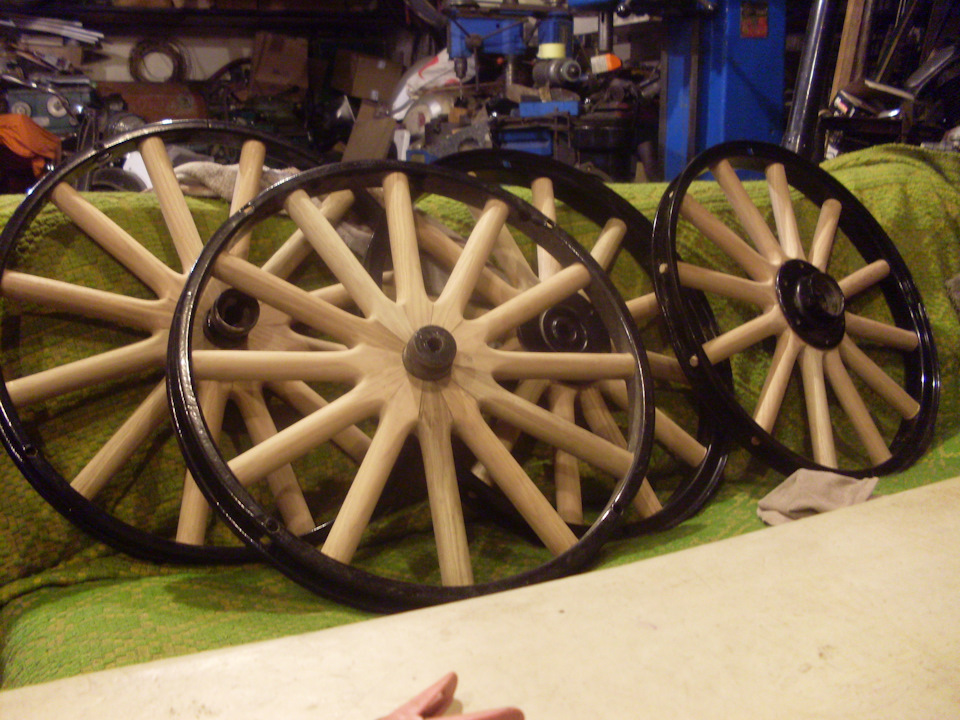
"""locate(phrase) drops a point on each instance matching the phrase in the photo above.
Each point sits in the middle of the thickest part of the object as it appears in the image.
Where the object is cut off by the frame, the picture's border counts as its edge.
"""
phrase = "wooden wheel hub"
(430, 352)
(812, 302)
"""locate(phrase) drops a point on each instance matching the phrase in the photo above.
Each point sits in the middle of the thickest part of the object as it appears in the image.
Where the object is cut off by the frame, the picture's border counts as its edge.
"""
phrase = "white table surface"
(851, 614)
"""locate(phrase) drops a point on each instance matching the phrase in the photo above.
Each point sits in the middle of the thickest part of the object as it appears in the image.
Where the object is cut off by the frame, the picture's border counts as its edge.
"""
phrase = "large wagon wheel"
(833, 358)
(88, 297)
(689, 451)
(432, 365)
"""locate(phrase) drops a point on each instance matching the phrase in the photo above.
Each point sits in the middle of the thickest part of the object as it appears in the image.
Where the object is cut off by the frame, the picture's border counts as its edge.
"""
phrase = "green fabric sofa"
(71, 605)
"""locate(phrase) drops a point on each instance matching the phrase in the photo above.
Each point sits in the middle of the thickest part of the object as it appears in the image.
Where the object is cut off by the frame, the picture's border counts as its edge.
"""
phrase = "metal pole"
(802, 123)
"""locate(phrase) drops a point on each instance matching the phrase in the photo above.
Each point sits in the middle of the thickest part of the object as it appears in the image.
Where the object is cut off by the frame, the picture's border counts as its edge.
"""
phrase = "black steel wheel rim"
(297, 557)
(871, 245)
(20, 442)
(590, 197)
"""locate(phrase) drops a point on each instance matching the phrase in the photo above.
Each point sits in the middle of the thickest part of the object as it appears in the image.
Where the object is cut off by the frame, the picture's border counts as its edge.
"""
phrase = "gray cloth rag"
(209, 179)
(202, 178)
(808, 492)
(953, 292)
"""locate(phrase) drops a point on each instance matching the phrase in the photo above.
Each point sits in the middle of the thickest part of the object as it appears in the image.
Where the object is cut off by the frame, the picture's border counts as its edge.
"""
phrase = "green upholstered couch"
(71, 605)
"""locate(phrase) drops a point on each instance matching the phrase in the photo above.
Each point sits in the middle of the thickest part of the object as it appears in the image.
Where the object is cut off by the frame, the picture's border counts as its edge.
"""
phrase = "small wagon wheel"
(410, 362)
(689, 447)
(88, 297)
(833, 358)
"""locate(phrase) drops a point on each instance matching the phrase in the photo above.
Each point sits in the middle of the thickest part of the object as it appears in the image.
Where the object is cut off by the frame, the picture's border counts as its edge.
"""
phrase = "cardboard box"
(279, 64)
(364, 76)
(371, 136)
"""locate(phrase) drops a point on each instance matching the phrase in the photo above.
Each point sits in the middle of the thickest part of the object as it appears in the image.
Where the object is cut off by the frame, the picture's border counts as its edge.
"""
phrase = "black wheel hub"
(429, 354)
(812, 302)
(570, 326)
(231, 318)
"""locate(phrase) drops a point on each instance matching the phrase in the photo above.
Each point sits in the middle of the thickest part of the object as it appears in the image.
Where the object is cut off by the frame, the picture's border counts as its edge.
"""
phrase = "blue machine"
(723, 78)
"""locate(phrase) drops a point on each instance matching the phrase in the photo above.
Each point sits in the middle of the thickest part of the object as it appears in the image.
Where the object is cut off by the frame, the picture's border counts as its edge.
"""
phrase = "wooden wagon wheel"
(413, 362)
(88, 297)
(833, 358)
(689, 450)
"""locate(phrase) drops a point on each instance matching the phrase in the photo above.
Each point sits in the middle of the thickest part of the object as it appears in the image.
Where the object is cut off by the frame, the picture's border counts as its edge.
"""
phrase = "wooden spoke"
(511, 261)
(616, 390)
(116, 241)
(316, 344)
(282, 481)
(337, 294)
(297, 303)
(508, 256)
(194, 509)
(173, 205)
(507, 473)
(783, 214)
(118, 450)
(253, 153)
(404, 247)
(530, 303)
(279, 365)
(396, 423)
(598, 417)
(529, 390)
(818, 407)
(864, 278)
(449, 528)
(721, 235)
(543, 200)
(855, 408)
(778, 377)
(881, 383)
(148, 315)
(730, 286)
(566, 469)
(605, 250)
(460, 286)
(821, 247)
(300, 396)
(194, 514)
(884, 334)
(677, 440)
(643, 308)
(289, 256)
(328, 244)
(296, 249)
(546, 426)
(304, 435)
(664, 367)
(747, 212)
(446, 251)
(556, 365)
(101, 368)
(750, 333)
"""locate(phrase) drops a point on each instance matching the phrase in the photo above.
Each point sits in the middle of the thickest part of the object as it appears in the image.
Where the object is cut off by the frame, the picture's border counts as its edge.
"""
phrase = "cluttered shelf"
(315, 19)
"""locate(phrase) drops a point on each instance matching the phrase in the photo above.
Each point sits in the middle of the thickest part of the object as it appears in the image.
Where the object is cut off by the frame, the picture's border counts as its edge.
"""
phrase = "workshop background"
(628, 89)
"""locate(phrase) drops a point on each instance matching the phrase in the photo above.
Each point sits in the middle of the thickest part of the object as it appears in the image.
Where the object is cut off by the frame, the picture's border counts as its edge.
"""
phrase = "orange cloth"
(28, 140)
